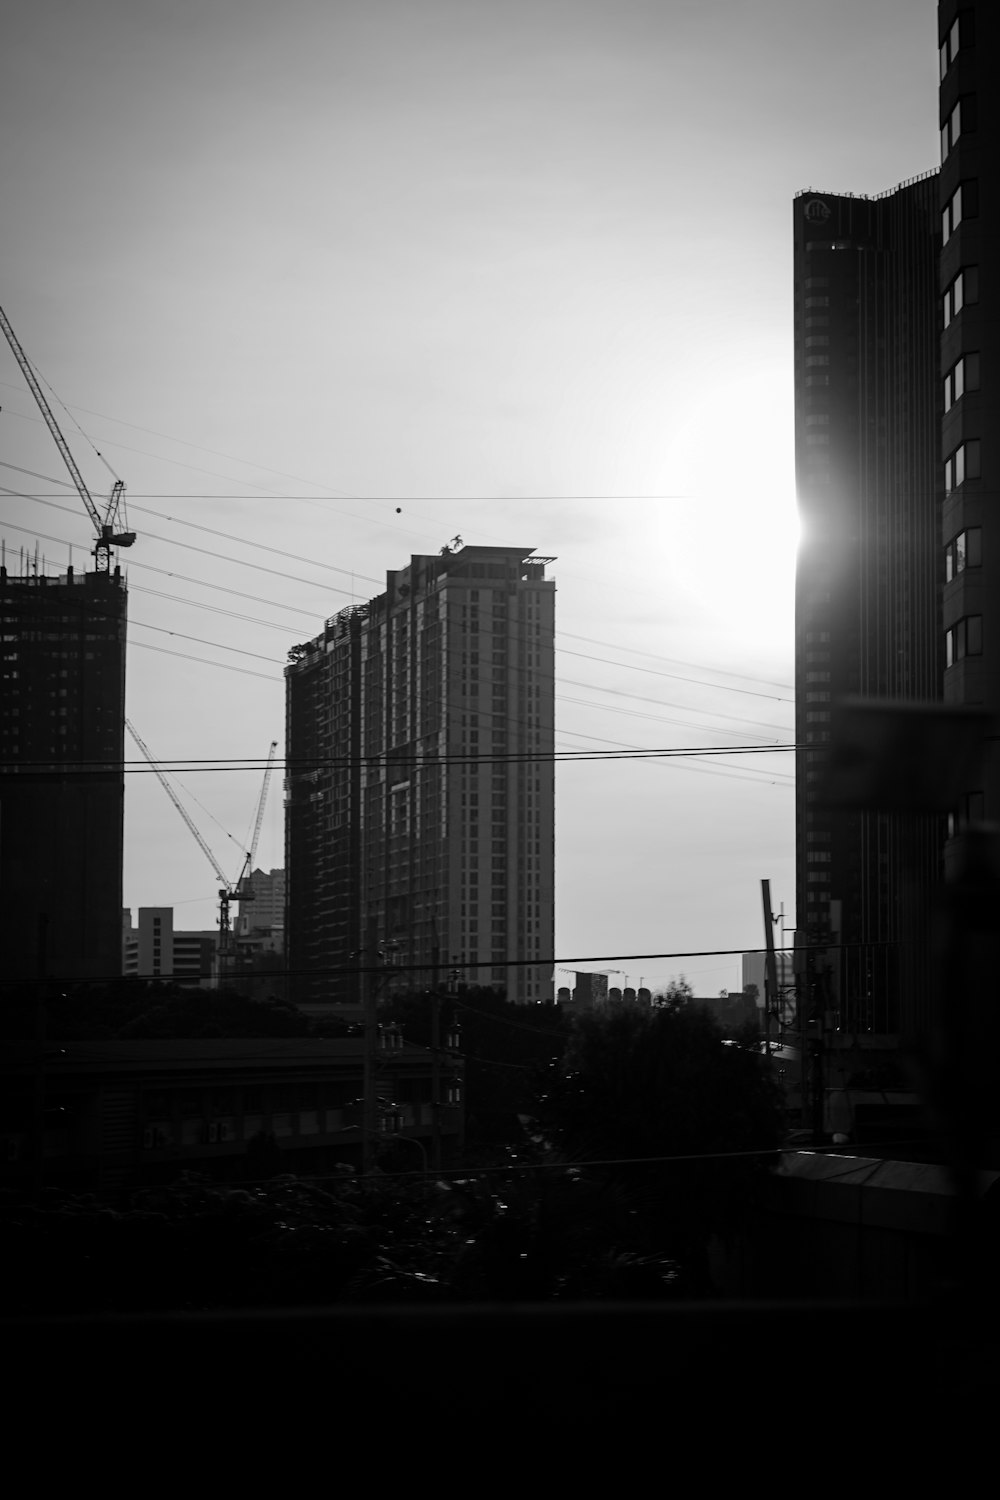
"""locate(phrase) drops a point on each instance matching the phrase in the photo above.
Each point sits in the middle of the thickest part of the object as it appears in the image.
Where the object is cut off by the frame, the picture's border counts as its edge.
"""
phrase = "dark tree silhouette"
(663, 1084)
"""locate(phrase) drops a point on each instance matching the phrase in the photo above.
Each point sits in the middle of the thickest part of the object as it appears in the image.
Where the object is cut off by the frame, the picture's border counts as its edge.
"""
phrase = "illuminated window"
(964, 639)
(963, 204)
(962, 118)
(950, 41)
(963, 551)
(961, 465)
(964, 289)
(963, 376)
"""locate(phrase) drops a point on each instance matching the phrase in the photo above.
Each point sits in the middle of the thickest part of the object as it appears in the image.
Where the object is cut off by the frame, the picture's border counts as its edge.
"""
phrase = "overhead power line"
(301, 764)
(469, 965)
(560, 635)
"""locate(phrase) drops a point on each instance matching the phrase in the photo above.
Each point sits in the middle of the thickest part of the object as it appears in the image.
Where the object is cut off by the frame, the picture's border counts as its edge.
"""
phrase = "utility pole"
(368, 1095)
(38, 1132)
(453, 1033)
(436, 1080)
(369, 1110)
(770, 967)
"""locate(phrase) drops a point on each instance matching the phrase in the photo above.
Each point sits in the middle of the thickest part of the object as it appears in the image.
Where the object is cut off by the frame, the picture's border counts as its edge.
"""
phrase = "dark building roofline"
(810, 192)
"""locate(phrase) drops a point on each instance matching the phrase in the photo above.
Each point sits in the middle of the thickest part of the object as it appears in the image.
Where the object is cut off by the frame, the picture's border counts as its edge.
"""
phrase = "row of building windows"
(964, 288)
(964, 639)
(962, 464)
(963, 204)
(963, 376)
(961, 118)
(948, 51)
(963, 551)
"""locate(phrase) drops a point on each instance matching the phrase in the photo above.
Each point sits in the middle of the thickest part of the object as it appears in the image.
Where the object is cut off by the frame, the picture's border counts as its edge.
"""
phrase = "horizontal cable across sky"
(466, 965)
(303, 764)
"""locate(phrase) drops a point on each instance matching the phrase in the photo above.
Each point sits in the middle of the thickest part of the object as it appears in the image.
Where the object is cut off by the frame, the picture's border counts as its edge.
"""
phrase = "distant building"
(152, 949)
(62, 716)
(141, 1112)
(265, 914)
(755, 974)
(590, 992)
(420, 814)
(733, 1010)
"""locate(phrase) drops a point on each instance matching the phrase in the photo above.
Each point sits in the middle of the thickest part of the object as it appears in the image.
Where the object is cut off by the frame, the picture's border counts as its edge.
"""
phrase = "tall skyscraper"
(867, 614)
(62, 717)
(969, 36)
(420, 799)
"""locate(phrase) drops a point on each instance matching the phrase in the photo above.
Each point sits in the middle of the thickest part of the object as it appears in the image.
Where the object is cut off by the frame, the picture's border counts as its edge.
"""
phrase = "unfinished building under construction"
(62, 714)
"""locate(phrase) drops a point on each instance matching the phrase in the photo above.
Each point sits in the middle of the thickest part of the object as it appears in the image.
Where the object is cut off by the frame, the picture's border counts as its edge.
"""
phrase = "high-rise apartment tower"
(419, 809)
(62, 717)
(969, 36)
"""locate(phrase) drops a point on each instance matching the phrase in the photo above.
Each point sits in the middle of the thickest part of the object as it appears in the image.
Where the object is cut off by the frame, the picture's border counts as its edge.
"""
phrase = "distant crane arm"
(179, 805)
(107, 536)
(260, 806)
(244, 886)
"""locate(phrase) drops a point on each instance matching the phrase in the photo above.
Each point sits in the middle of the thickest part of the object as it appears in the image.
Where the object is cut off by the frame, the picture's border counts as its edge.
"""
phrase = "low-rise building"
(152, 949)
(124, 1114)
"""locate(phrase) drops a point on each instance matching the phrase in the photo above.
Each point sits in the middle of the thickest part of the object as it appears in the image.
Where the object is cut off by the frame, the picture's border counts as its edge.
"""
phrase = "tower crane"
(106, 527)
(227, 892)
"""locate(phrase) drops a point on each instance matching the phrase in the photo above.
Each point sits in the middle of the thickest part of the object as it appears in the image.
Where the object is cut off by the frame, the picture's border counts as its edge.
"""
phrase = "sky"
(329, 283)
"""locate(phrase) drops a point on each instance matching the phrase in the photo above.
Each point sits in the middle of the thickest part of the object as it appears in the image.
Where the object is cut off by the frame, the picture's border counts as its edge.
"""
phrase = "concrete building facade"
(152, 949)
(419, 791)
(969, 287)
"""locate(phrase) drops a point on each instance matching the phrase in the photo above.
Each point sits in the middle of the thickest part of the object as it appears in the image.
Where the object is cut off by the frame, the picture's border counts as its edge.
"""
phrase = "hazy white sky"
(520, 268)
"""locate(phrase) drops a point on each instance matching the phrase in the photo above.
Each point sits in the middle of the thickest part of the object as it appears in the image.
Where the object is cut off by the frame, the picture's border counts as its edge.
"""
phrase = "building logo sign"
(816, 211)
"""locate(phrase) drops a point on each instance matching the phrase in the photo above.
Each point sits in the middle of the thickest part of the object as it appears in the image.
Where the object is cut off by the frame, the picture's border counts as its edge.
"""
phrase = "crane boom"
(260, 806)
(106, 534)
(244, 886)
(178, 804)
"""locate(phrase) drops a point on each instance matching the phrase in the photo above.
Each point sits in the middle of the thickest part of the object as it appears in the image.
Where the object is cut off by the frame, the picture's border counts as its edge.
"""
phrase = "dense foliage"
(503, 1046)
(662, 1083)
(513, 1236)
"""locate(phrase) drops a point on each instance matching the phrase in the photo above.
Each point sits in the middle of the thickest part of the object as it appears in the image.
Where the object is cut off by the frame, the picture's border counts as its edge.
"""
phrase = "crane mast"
(107, 536)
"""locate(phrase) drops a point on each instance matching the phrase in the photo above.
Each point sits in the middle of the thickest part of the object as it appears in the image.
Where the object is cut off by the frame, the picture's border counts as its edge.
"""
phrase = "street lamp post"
(369, 1113)
(435, 1000)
